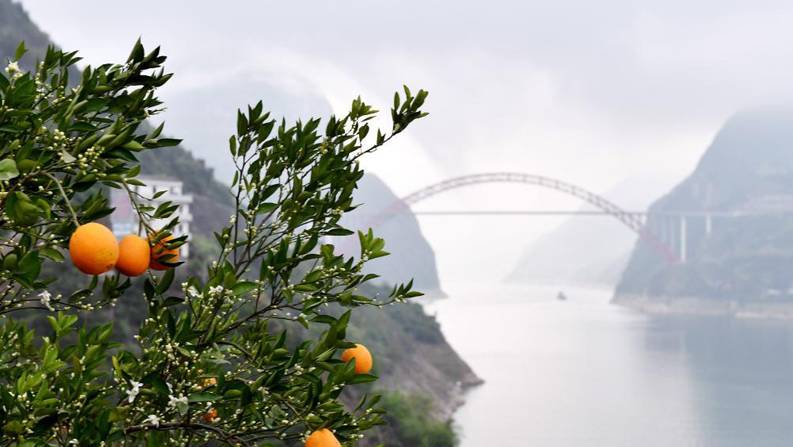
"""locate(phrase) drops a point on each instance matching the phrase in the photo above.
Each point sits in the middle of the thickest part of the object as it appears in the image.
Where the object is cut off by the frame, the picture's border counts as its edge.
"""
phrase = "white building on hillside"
(125, 219)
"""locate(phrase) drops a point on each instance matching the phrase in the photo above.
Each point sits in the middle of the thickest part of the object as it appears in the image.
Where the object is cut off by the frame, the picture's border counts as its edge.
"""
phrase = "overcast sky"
(590, 92)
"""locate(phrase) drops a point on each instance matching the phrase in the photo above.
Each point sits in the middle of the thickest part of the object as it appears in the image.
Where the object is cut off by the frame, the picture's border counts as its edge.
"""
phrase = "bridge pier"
(683, 239)
(663, 231)
(708, 225)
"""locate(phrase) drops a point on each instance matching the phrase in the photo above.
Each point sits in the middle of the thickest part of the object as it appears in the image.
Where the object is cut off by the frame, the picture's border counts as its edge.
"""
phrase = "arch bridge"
(659, 239)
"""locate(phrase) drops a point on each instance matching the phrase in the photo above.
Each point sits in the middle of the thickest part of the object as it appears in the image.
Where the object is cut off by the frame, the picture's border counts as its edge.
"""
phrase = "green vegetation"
(209, 365)
(405, 363)
(411, 416)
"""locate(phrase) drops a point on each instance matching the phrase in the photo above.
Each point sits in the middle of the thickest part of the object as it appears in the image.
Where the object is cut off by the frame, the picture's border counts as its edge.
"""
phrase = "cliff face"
(411, 254)
(746, 261)
(15, 27)
(413, 357)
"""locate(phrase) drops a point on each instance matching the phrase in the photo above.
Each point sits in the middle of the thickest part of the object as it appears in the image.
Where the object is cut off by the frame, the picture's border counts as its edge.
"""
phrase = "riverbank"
(765, 309)
(431, 379)
(413, 356)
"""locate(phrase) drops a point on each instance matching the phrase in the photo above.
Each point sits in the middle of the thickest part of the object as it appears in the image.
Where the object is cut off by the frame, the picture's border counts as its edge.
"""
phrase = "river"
(582, 372)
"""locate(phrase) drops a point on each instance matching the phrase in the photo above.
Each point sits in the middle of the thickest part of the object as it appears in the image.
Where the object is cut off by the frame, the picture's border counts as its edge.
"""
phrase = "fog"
(589, 92)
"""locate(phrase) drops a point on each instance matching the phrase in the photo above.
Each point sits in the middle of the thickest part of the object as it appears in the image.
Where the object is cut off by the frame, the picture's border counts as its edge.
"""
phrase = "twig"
(65, 198)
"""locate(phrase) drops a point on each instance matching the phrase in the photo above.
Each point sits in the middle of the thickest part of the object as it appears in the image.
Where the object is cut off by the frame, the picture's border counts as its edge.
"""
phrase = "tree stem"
(65, 198)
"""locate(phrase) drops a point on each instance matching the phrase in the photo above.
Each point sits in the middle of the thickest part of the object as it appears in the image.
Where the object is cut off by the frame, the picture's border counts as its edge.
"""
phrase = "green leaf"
(8, 169)
(21, 210)
(133, 146)
(363, 378)
(242, 288)
(203, 397)
(30, 265)
(168, 142)
(20, 51)
(242, 124)
(172, 301)
(165, 281)
(266, 207)
(156, 382)
(339, 231)
(326, 319)
(52, 253)
(15, 427)
(10, 262)
(137, 52)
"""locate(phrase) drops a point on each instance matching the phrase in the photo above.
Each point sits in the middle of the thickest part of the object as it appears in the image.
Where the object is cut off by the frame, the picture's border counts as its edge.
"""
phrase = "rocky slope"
(412, 256)
(15, 27)
(745, 265)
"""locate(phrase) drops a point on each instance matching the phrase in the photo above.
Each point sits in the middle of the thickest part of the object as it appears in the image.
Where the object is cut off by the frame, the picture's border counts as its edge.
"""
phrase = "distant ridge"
(16, 26)
(587, 250)
(746, 261)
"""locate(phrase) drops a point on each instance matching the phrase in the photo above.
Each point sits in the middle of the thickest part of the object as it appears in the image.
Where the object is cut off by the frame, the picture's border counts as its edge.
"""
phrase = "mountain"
(412, 355)
(200, 112)
(743, 266)
(204, 110)
(411, 254)
(587, 250)
(15, 27)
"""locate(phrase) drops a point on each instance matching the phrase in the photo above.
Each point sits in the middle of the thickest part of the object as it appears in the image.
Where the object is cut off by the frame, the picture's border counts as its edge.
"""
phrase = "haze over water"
(584, 372)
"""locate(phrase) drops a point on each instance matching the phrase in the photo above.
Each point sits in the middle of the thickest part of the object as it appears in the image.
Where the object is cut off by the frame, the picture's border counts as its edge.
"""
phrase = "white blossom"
(13, 68)
(174, 401)
(132, 393)
(45, 297)
(178, 403)
(153, 420)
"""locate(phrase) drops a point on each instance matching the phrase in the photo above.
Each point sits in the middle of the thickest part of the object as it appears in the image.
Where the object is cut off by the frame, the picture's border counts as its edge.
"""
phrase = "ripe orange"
(210, 415)
(134, 254)
(322, 438)
(161, 252)
(362, 356)
(93, 248)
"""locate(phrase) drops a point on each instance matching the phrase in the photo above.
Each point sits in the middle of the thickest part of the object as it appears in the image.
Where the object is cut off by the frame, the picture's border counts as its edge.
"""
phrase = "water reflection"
(741, 376)
(583, 372)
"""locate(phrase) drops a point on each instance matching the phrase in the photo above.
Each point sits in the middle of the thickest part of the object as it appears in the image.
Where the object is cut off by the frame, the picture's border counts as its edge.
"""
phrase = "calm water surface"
(582, 372)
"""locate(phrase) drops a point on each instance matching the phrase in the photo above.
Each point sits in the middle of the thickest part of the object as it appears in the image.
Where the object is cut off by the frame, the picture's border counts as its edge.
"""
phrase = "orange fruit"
(362, 356)
(134, 255)
(322, 438)
(210, 415)
(93, 248)
(161, 252)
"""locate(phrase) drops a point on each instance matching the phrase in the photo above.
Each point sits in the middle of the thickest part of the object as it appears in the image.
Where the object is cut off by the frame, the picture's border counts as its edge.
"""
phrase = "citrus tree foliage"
(212, 362)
